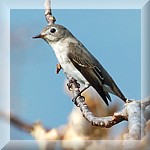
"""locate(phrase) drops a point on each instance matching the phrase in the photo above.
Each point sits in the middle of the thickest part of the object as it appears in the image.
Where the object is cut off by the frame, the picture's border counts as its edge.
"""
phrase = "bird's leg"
(79, 94)
(71, 81)
(74, 85)
(58, 68)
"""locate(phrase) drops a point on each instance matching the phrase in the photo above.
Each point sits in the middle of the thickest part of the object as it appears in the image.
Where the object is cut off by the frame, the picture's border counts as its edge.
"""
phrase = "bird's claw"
(77, 86)
(71, 81)
(74, 100)
(58, 68)
(69, 86)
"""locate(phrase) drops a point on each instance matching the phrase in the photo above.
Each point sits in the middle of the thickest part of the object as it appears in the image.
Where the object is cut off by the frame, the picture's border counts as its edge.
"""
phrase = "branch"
(147, 113)
(145, 102)
(36, 130)
(33, 129)
(137, 121)
(106, 122)
(145, 105)
(48, 13)
(136, 126)
(17, 122)
(131, 111)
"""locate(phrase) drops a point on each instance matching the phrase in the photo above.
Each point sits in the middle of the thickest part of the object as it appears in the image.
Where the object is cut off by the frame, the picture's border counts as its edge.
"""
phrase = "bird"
(78, 63)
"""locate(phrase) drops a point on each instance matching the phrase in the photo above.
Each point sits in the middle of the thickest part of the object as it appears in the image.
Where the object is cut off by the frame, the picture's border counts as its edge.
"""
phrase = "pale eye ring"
(52, 30)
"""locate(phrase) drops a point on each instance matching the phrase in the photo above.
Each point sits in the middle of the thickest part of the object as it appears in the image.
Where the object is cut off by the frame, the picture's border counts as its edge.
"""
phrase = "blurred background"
(38, 94)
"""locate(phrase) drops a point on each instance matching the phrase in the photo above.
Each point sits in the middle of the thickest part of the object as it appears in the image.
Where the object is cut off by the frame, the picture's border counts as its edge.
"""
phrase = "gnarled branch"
(132, 111)
(48, 13)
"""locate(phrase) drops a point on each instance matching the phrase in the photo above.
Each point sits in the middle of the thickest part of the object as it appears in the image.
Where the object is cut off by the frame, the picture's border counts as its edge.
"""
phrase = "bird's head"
(53, 33)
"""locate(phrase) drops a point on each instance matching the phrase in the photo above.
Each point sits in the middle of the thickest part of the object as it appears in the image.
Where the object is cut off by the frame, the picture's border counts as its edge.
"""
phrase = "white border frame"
(7, 5)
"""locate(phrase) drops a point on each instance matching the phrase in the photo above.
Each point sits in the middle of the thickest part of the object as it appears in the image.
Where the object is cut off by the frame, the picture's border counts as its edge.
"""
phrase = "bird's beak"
(38, 36)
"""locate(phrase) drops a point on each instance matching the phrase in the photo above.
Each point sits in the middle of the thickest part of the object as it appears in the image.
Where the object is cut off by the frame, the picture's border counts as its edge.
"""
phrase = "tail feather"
(104, 95)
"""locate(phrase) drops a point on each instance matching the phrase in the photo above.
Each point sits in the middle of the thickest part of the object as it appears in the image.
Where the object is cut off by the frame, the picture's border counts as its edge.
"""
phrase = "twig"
(136, 121)
(136, 126)
(48, 13)
(133, 112)
(145, 105)
(17, 122)
(145, 102)
(147, 113)
(106, 122)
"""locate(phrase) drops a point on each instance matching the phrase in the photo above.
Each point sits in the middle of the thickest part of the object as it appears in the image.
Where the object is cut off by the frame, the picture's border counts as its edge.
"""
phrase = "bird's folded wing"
(83, 61)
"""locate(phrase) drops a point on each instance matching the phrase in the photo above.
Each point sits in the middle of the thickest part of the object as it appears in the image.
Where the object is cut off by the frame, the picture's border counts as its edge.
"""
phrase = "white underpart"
(69, 69)
(61, 52)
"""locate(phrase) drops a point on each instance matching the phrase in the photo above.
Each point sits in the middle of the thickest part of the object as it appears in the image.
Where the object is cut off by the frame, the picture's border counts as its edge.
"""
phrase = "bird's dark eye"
(52, 30)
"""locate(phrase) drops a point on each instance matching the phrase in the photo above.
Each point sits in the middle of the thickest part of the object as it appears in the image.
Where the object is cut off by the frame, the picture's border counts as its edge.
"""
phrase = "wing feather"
(89, 70)
(93, 72)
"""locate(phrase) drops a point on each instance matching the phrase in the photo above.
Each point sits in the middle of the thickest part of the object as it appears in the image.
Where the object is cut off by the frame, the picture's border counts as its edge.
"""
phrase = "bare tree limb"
(147, 113)
(136, 126)
(131, 111)
(17, 122)
(145, 102)
(32, 129)
(20, 124)
(136, 121)
(136, 112)
(48, 13)
(106, 122)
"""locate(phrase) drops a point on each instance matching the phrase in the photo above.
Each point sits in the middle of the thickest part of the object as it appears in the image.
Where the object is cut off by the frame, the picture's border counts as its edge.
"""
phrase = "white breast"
(61, 54)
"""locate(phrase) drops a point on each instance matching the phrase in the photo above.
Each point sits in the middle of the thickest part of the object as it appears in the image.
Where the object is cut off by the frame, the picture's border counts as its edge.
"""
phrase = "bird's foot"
(71, 81)
(73, 85)
(58, 68)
